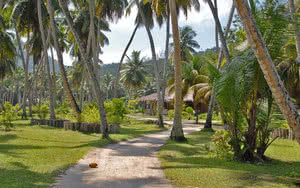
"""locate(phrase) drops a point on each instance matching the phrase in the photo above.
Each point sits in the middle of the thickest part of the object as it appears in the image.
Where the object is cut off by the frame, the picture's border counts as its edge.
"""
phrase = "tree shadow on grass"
(20, 176)
(7, 137)
(10, 149)
(275, 171)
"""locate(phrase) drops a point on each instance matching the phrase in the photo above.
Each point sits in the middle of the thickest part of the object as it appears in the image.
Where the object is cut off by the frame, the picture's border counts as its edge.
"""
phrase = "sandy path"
(127, 164)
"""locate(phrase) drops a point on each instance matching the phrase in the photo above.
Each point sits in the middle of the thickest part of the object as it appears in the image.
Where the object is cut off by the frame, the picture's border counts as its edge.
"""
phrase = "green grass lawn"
(31, 156)
(192, 165)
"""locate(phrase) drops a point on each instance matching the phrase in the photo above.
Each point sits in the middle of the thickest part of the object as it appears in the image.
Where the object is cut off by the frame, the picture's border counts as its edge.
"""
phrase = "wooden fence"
(76, 126)
(283, 133)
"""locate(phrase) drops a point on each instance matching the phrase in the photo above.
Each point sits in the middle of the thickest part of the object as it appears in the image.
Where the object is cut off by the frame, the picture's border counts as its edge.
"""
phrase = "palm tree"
(7, 51)
(133, 74)
(177, 132)
(58, 49)
(42, 21)
(208, 122)
(154, 60)
(187, 43)
(108, 84)
(90, 67)
(116, 85)
(295, 26)
(269, 70)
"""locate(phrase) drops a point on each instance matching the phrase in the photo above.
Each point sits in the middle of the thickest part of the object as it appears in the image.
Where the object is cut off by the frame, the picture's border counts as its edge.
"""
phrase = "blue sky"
(202, 22)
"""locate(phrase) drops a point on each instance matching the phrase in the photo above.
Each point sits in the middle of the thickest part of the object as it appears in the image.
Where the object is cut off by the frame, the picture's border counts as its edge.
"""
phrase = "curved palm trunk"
(208, 122)
(96, 86)
(66, 84)
(216, 29)
(270, 73)
(122, 59)
(156, 72)
(220, 31)
(45, 49)
(177, 131)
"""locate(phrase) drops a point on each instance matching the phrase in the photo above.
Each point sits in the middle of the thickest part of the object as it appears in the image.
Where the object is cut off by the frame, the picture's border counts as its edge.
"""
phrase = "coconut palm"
(266, 64)
(43, 21)
(58, 49)
(7, 51)
(177, 131)
(108, 83)
(133, 74)
(187, 43)
(295, 26)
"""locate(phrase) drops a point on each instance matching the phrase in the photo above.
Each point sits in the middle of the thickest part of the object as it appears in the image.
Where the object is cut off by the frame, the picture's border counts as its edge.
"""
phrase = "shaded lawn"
(191, 164)
(31, 156)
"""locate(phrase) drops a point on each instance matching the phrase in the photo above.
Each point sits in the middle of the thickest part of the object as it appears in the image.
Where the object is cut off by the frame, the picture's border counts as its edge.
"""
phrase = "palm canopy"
(187, 42)
(7, 51)
(195, 80)
(133, 75)
(82, 25)
(150, 15)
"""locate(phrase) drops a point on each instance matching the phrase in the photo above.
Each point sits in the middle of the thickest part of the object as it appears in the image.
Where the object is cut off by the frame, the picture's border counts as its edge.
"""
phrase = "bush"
(43, 110)
(8, 115)
(221, 146)
(171, 114)
(133, 104)
(90, 114)
(115, 110)
(63, 110)
(190, 112)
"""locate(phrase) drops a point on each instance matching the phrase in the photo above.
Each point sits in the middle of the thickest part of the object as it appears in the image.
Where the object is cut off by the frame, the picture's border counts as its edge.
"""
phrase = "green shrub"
(115, 110)
(63, 110)
(221, 146)
(184, 115)
(133, 104)
(8, 115)
(190, 112)
(171, 114)
(90, 114)
(43, 110)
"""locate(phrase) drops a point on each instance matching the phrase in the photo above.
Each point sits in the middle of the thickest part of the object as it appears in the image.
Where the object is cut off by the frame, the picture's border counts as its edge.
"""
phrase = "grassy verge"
(31, 156)
(191, 164)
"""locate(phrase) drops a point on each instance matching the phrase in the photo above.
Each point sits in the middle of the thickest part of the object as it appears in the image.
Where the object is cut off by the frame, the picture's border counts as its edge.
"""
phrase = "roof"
(168, 97)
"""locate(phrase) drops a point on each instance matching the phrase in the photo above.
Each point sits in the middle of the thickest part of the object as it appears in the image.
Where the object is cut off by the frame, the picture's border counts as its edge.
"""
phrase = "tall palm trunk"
(122, 59)
(54, 75)
(295, 26)
(216, 30)
(164, 84)
(66, 84)
(177, 131)
(45, 49)
(279, 92)
(208, 122)
(81, 96)
(220, 30)
(156, 72)
(25, 93)
(96, 86)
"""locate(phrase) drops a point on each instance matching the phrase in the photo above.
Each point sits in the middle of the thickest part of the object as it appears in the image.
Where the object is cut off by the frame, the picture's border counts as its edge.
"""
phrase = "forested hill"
(113, 67)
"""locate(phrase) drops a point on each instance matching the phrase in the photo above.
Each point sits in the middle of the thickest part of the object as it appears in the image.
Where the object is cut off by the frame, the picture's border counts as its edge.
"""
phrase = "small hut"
(149, 103)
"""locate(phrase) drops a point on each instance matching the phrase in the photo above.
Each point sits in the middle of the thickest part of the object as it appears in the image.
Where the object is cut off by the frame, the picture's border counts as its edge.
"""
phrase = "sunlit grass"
(31, 156)
(191, 164)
